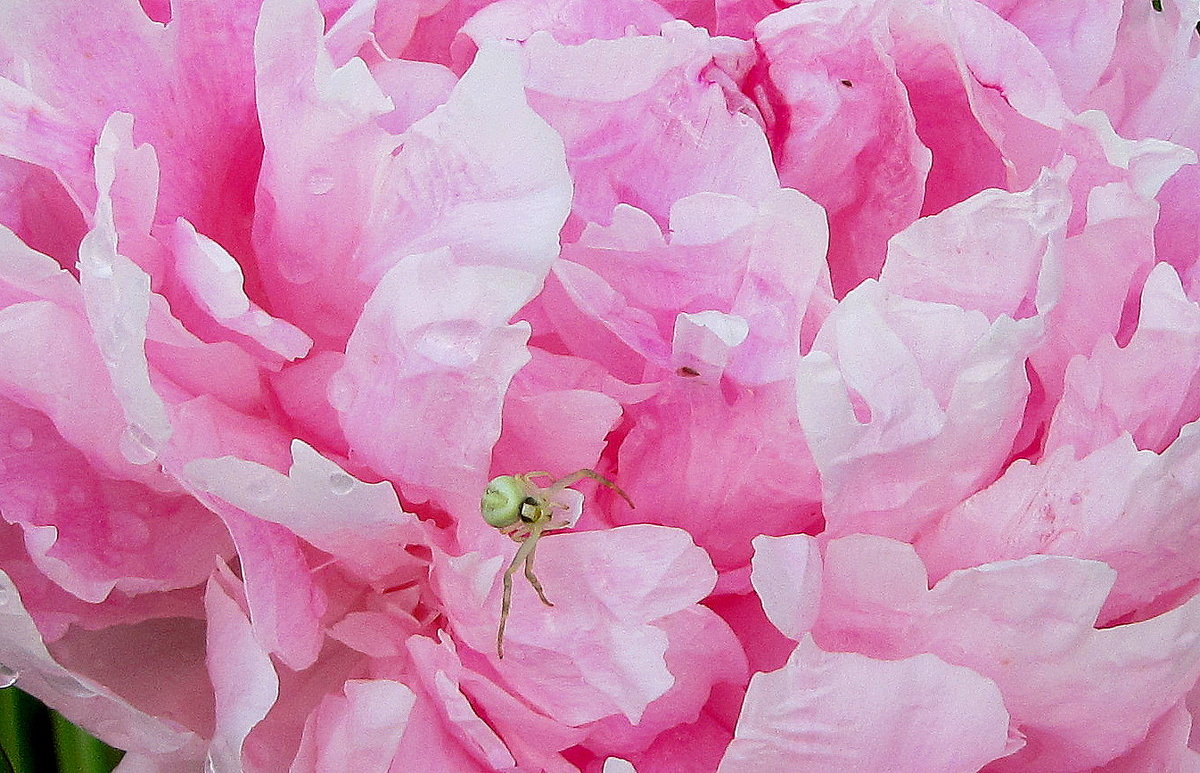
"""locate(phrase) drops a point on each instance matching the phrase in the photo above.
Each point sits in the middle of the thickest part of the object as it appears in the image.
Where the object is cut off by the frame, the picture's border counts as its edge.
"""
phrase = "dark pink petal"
(841, 127)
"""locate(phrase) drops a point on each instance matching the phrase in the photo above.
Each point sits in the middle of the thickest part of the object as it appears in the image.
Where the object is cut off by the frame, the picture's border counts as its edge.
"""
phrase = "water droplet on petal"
(340, 392)
(341, 484)
(8, 676)
(4, 595)
(297, 269)
(262, 487)
(69, 685)
(320, 182)
(127, 531)
(137, 446)
(21, 438)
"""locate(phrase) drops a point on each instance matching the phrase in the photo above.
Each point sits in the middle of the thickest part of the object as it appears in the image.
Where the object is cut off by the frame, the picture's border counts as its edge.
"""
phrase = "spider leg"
(579, 475)
(533, 580)
(522, 554)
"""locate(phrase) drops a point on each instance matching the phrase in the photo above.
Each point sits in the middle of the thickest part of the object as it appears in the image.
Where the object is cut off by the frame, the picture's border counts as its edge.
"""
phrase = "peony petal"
(837, 111)
(1131, 509)
(359, 730)
(361, 524)
(425, 374)
(613, 585)
(1147, 388)
(243, 676)
(892, 389)
(725, 465)
(648, 135)
(1080, 696)
(82, 700)
(787, 577)
(835, 712)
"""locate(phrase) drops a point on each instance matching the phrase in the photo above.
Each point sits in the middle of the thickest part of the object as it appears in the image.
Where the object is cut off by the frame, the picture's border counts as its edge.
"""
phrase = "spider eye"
(502, 501)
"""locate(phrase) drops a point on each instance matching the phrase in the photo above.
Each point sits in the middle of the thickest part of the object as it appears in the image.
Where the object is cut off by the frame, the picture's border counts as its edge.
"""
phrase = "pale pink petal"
(521, 736)
(1080, 696)
(600, 650)
(322, 149)
(651, 134)
(987, 253)
(695, 635)
(50, 359)
(215, 281)
(415, 89)
(892, 390)
(745, 276)
(302, 389)
(92, 534)
(188, 84)
(284, 605)
(243, 676)
(1147, 388)
(428, 746)
(401, 188)
(35, 206)
(82, 700)
(571, 22)
(1132, 509)
(360, 524)
(697, 745)
(547, 429)
(425, 374)
(843, 712)
(787, 577)
(1165, 748)
(132, 657)
(359, 730)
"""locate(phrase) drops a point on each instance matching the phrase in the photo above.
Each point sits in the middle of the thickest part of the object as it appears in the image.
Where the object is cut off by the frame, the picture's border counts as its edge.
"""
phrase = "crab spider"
(524, 511)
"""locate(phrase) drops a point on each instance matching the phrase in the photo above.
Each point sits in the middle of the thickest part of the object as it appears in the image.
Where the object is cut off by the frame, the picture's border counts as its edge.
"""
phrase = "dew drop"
(137, 446)
(262, 487)
(21, 438)
(297, 269)
(320, 182)
(69, 685)
(340, 392)
(340, 483)
(127, 531)
(8, 676)
(3, 596)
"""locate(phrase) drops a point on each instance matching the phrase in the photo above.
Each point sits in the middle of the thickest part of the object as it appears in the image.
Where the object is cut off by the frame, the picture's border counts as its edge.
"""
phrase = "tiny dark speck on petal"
(688, 372)
(847, 83)
(1156, 5)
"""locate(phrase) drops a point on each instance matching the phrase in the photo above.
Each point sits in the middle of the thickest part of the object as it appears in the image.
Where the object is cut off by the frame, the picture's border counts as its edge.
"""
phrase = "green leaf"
(79, 752)
(25, 732)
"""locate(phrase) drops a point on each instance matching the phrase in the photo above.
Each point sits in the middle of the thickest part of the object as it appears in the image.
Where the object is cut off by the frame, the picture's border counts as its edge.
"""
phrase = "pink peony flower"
(885, 314)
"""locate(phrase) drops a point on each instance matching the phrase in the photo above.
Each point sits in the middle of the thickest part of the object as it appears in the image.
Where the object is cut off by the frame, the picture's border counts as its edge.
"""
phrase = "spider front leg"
(537, 586)
(523, 556)
(579, 475)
